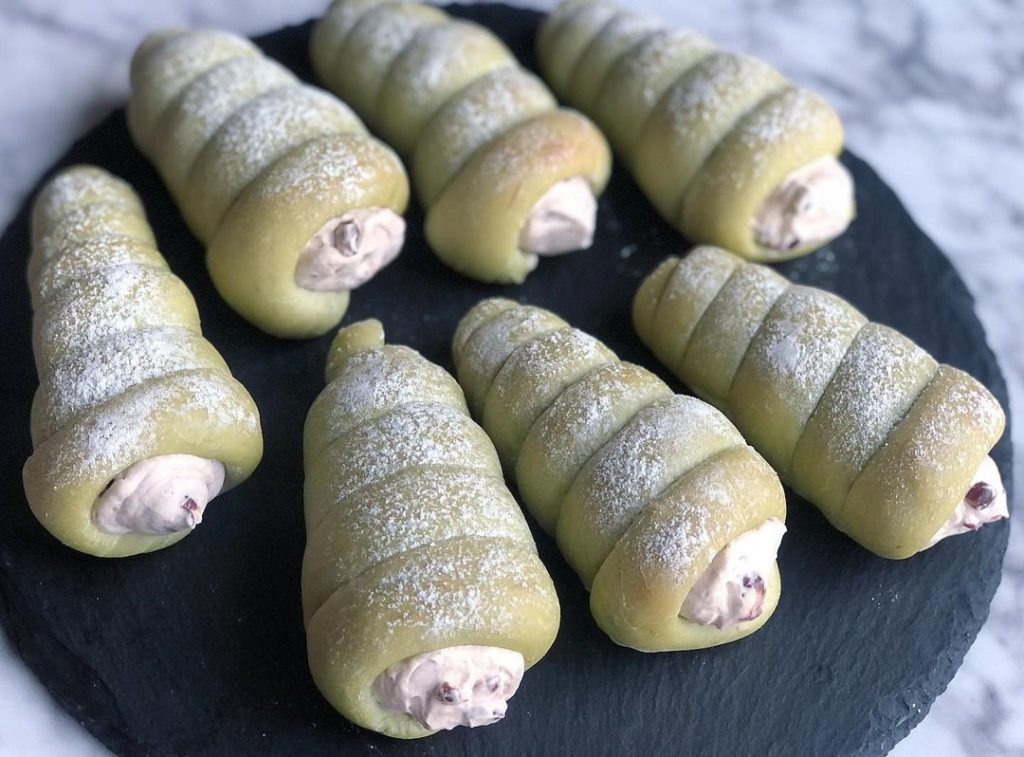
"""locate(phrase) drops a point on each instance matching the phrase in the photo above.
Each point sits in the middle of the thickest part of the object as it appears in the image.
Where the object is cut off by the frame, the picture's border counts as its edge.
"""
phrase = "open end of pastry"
(562, 220)
(160, 495)
(984, 502)
(732, 588)
(811, 206)
(453, 686)
(348, 250)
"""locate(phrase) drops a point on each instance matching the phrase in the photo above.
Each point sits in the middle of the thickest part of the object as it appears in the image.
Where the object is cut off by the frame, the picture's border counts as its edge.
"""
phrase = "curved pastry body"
(641, 487)
(421, 586)
(727, 150)
(259, 165)
(858, 419)
(137, 421)
(485, 138)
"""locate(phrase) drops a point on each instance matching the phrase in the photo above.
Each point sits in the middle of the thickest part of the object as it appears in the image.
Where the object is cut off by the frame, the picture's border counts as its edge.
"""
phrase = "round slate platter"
(199, 649)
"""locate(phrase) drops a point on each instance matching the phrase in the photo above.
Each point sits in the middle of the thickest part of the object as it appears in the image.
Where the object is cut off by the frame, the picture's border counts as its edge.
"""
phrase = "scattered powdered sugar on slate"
(119, 299)
(126, 431)
(326, 168)
(267, 127)
(376, 381)
(89, 376)
(651, 452)
(881, 375)
(411, 435)
(427, 506)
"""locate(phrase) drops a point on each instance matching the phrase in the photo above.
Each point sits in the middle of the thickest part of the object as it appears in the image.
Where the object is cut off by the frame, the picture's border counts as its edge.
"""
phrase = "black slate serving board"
(199, 649)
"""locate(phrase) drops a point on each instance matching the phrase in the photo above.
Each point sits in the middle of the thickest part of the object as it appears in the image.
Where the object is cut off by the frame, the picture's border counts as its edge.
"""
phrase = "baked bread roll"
(668, 517)
(726, 149)
(137, 422)
(505, 175)
(891, 446)
(423, 595)
(295, 203)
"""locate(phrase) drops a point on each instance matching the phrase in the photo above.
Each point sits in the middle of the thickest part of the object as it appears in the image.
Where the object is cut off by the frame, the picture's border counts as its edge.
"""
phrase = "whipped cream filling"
(732, 588)
(461, 685)
(349, 249)
(160, 495)
(984, 502)
(562, 220)
(811, 206)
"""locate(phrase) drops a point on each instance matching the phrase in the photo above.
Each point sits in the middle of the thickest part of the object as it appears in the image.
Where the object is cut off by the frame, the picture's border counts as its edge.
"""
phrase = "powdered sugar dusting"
(419, 434)
(718, 89)
(879, 378)
(376, 381)
(110, 301)
(649, 454)
(79, 186)
(126, 431)
(97, 372)
(95, 253)
(325, 166)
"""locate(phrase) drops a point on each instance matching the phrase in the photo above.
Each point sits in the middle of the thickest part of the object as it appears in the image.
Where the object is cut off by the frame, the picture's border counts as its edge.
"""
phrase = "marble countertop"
(931, 93)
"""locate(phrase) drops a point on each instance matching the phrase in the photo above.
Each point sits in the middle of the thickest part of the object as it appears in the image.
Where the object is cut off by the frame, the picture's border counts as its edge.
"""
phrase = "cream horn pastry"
(137, 422)
(296, 204)
(726, 149)
(665, 513)
(889, 444)
(506, 176)
(423, 595)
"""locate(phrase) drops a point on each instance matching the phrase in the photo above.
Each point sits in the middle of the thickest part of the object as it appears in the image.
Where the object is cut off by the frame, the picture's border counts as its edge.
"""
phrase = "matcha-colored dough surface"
(124, 371)
(708, 135)
(257, 162)
(854, 416)
(596, 445)
(485, 138)
(413, 541)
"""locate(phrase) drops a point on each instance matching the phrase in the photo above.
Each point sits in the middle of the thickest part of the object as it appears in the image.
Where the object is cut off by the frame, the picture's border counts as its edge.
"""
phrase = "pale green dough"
(595, 443)
(438, 62)
(487, 348)
(639, 78)
(531, 379)
(365, 55)
(708, 135)
(858, 419)
(661, 443)
(576, 425)
(691, 119)
(787, 367)
(258, 163)
(124, 372)
(615, 39)
(484, 138)
(413, 541)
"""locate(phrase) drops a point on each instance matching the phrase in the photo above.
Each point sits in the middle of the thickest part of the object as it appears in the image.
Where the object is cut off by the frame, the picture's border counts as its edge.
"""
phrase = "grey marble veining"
(931, 93)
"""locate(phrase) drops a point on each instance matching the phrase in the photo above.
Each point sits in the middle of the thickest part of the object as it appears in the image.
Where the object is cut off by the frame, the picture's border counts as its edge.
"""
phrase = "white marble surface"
(932, 94)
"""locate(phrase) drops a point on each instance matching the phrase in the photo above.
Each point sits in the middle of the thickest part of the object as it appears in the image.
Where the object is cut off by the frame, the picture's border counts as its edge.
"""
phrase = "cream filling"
(562, 220)
(348, 250)
(811, 206)
(732, 588)
(462, 685)
(160, 495)
(985, 502)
